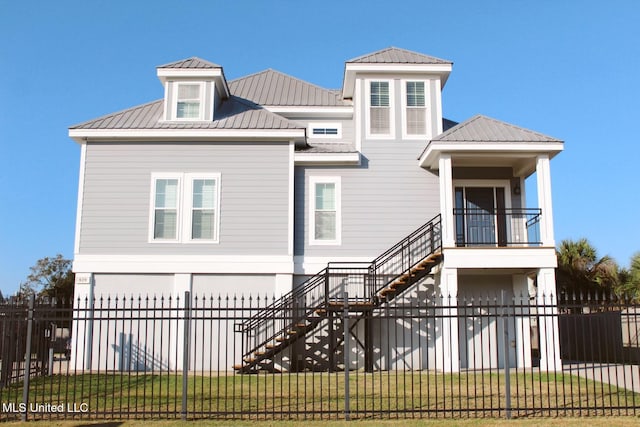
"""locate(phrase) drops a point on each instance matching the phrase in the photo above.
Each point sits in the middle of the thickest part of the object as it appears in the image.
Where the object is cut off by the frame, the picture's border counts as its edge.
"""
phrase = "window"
(325, 222)
(188, 101)
(416, 111)
(325, 130)
(203, 209)
(379, 108)
(185, 208)
(165, 213)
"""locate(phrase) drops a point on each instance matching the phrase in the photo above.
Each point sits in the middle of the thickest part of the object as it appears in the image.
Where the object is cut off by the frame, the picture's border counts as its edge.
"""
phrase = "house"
(254, 185)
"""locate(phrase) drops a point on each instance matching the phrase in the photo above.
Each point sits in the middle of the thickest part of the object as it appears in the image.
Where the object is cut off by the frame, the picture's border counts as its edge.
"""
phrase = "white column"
(82, 330)
(548, 321)
(284, 284)
(447, 335)
(446, 201)
(181, 284)
(522, 321)
(543, 172)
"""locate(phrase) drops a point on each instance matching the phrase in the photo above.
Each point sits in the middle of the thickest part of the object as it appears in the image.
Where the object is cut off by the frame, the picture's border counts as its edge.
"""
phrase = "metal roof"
(233, 113)
(271, 87)
(395, 55)
(329, 147)
(193, 62)
(485, 129)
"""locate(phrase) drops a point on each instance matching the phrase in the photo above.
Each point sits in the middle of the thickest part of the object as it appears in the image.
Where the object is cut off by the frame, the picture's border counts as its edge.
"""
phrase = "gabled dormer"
(397, 93)
(193, 89)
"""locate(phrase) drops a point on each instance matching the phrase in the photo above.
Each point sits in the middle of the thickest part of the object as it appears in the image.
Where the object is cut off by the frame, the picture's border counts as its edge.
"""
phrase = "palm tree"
(580, 272)
(629, 285)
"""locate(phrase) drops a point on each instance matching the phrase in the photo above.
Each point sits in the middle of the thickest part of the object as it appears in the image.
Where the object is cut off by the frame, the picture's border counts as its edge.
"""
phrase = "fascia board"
(81, 135)
(304, 111)
(327, 159)
(430, 156)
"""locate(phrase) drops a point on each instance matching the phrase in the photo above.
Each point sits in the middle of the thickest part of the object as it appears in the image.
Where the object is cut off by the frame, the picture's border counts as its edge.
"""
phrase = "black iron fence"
(420, 355)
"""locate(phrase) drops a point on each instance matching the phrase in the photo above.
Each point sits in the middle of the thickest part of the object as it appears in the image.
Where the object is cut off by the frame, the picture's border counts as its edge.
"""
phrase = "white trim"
(438, 108)
(358, 115)
(312, 265)
(176, 99)
(165, 104)
(188, 207)
(155, 135)
(327, 158)
(510, 149)
(484, 258)
(291, 207)
(324, 125)
(305, 111)
(189, 72)
(427, 109)
(392, 116)
(80, 201)
(183, 264)
(155, 176)
(313, 181)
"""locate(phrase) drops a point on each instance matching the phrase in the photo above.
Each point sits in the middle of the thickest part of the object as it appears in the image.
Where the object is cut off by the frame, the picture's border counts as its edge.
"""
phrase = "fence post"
(507, 377)
(185, 352)
(345, 323)
(27, 359)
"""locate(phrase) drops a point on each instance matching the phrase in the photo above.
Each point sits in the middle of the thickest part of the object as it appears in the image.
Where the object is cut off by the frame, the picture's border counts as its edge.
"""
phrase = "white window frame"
(427, 122)
(152, 207)
(188, 223)
(392, 129)
(184, 207)
(313, 180)
(325, 125)
(201, 97)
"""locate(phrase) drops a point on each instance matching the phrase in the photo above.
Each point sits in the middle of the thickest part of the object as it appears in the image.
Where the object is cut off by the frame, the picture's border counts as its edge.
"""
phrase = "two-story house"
(254, 185)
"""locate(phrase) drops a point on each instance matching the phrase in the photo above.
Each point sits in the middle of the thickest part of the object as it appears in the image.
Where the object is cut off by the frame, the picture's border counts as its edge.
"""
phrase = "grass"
(315, 396)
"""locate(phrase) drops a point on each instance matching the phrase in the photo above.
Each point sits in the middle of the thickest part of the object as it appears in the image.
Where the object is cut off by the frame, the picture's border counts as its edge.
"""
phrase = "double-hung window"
(325, 219)
(415, 108)
(188, 101)
(379, 108)
(165, 209)
(185, 208)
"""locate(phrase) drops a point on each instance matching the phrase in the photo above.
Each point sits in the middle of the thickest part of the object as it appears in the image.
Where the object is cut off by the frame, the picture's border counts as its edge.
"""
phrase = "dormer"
(397, 93)
(193, 89)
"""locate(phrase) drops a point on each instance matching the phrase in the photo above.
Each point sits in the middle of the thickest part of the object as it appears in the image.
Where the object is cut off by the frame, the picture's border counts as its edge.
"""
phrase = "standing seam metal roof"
(193, 62)
(394, 55)
(485, 129)
(271, 87)
(234, 113)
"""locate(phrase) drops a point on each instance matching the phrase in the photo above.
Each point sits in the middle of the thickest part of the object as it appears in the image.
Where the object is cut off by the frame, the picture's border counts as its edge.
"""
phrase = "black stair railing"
(293, 315)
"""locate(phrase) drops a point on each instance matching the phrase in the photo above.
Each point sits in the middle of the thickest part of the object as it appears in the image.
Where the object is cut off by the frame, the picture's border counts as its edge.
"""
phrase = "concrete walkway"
(621, 376)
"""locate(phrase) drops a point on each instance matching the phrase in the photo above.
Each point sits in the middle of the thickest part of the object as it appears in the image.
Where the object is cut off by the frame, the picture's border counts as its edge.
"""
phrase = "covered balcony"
(483, 164)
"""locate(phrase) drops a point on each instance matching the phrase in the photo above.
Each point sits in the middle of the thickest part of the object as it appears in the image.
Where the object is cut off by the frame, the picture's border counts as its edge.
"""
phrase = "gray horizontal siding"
(348, 130)
(383, 200)
(253, 207)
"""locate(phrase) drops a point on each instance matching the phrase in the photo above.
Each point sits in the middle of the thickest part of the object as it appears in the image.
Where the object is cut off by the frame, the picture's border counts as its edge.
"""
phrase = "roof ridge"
(392, 48)
(191, 58)
(110, 115)
(255, 106)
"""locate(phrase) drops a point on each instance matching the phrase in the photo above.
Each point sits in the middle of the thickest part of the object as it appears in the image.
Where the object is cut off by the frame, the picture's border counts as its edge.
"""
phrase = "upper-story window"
(165, 209)
(415, 115)
(189, 101)
(325, 130)
(380, 108)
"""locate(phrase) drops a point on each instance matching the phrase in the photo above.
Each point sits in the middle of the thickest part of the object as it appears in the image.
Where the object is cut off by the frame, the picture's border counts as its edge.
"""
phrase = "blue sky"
(568, 69)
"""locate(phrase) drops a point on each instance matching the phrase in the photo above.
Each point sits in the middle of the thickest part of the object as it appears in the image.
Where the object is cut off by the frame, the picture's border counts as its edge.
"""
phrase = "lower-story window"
(324, 215)
(185, 207)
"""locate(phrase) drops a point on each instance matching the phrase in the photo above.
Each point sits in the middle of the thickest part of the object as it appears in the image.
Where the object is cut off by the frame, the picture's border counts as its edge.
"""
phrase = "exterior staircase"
(361, 286)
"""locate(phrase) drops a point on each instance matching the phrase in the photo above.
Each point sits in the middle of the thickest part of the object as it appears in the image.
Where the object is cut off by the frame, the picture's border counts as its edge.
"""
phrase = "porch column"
(446, 201)
(447, 334)
(543, 172)
(548, 321)
(522, 320)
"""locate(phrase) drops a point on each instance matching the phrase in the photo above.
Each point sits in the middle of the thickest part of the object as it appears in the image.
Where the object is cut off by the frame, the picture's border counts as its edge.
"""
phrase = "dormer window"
(189, 101)
(415, 114)
(380, 105)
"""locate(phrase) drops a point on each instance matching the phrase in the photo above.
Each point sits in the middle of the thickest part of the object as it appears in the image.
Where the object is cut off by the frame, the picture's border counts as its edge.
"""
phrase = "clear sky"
(569, 69)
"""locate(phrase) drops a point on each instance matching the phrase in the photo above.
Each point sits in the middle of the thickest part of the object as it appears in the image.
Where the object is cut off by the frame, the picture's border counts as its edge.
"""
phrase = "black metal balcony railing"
(498, 227)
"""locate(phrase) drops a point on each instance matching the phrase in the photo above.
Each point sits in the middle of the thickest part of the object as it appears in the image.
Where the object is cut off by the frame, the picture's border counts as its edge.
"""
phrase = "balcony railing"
(497, 227)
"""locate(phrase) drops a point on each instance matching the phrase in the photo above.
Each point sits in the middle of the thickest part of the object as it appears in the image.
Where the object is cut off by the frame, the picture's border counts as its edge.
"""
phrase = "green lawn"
(317, 396)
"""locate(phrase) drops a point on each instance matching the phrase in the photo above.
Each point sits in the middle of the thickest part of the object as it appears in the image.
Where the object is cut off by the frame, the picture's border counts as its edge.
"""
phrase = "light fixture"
(516, 190)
